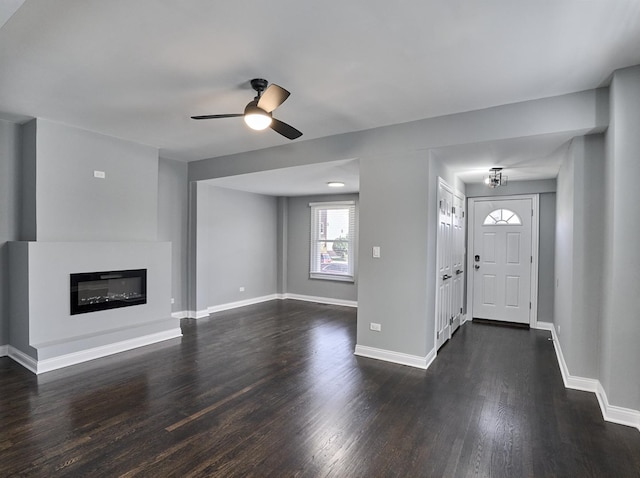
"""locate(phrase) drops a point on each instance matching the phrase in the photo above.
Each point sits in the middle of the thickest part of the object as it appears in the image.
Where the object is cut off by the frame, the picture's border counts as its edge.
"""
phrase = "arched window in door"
(502, 217)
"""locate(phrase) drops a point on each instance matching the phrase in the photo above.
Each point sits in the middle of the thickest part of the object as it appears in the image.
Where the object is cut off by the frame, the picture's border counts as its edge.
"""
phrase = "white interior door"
(445, 259)
(458, 255)
(502, 260)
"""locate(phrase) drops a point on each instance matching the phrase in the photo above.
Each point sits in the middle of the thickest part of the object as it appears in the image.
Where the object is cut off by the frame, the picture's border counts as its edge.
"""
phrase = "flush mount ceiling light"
(495, 178)
(335, 184)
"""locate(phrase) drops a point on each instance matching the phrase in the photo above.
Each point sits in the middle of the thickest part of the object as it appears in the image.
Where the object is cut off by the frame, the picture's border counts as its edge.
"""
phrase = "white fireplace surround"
(43, 332)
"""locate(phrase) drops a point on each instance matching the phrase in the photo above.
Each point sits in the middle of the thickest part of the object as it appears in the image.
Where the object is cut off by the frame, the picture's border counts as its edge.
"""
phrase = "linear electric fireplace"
(93, 291)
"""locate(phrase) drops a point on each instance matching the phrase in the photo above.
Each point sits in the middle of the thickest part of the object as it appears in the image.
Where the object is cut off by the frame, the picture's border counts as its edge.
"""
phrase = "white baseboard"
(320, 300)
(41, 366)
(396, 357)
(4, 350)
(610, 413)
(615, 414)
(257, 300)
(23, 359)
(241, 303)
(191, 314)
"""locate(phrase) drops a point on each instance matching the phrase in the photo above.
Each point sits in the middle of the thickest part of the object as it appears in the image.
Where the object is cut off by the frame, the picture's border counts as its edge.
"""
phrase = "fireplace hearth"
(94, 291)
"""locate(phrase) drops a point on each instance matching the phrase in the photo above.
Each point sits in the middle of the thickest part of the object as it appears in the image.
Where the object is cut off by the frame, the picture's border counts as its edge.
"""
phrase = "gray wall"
(237, 245)
(297, 257)
(546, 256)
(392, 290)
(9, 212)
(547, 233)
(172, 224)
(579, 255)
(72, 205)
(620, 353)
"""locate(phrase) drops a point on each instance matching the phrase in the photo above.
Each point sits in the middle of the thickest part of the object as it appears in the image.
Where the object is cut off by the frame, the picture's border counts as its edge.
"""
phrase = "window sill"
(333, 277)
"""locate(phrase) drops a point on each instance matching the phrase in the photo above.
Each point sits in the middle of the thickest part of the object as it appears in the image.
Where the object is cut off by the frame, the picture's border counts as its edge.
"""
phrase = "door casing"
(533, 314)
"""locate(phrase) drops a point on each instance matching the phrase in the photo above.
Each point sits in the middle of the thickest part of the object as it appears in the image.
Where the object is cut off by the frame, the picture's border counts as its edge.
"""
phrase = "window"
(502, 217)
(333, 230)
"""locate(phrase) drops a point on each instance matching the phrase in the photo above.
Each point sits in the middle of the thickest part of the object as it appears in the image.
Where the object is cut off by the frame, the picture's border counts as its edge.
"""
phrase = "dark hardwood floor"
(275, 390)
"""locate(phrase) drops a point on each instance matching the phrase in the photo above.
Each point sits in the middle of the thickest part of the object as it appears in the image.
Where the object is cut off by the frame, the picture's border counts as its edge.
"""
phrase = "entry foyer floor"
(275, 390)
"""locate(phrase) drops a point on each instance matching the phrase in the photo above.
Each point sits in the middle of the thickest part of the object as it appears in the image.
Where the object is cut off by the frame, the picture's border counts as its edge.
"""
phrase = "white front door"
(501, 258)
(444, 251)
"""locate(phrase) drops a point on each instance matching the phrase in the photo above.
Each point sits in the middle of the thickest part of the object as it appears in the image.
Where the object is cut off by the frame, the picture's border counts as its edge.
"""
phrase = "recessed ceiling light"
(335, 184)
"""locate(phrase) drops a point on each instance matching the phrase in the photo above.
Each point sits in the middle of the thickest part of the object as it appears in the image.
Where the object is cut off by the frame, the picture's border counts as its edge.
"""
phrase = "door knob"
(446, 276)
(476, 267)
(459, 271)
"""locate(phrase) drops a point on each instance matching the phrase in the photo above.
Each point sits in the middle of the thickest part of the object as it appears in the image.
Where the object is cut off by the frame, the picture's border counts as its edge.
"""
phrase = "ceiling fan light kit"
(257, 114)
(256, 118)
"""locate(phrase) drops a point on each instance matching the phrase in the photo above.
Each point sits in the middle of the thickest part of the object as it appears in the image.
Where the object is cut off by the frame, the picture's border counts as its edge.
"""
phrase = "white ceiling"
(305, 180)
(138, 69)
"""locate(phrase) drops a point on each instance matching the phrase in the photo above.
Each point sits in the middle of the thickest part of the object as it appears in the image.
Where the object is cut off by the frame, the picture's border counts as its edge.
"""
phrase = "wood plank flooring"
(275, 390)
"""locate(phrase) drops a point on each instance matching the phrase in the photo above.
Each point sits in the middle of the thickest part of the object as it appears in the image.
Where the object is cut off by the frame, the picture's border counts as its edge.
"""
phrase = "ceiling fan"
(257, 113)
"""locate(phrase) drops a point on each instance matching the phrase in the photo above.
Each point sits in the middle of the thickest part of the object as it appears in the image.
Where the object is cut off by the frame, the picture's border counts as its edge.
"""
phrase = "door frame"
(471, 202)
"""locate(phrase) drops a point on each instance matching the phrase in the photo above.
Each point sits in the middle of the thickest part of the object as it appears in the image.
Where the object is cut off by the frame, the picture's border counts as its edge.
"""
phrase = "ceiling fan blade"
(284, 129)
(272, 97)
(216, 116)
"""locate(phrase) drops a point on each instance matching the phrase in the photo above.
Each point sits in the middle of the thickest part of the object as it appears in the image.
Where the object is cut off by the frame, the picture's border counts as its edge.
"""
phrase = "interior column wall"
(620, 355)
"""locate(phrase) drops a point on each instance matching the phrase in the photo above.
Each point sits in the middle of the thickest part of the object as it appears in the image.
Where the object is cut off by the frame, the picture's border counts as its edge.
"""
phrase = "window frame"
(315, 240)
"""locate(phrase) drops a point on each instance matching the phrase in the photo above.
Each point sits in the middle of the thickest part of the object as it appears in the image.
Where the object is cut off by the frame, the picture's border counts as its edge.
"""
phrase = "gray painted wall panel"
(172, 224)
(546, 256)
(579, 254)
(298, 281)
(392, 289)
(621, 327)
(9, 212)
(239, 238)
(72, 205)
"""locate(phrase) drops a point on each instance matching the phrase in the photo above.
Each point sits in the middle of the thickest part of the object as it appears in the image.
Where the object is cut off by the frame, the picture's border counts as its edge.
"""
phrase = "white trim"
(194, 314)
(181, 314)
(396, 357)
(241, 303)
(610, 413)
(4, 350)
(320, 300)
(330, 204)
(535, 234)
(615, 414)
(41, 366)
(23, 359)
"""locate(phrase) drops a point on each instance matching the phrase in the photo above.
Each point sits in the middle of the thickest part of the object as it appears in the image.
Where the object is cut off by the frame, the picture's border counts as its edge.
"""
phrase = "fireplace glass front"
(93, 291)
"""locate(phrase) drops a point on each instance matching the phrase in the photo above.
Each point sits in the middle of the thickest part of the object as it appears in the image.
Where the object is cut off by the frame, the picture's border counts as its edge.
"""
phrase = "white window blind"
(332, 246)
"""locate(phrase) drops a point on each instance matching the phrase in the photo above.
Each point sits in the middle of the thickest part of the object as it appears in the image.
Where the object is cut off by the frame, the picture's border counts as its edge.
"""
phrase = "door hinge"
(462, 213)
(453, 210)
(451, 321)
(532, 213)
(440, 204)
(529, 305)
(461, 310)
(437, 335)
(531, 259)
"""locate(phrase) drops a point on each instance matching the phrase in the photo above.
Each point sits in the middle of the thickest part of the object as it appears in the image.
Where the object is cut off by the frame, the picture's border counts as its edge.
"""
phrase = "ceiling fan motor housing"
(259, 84)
